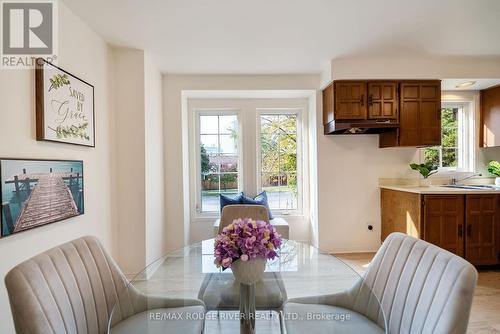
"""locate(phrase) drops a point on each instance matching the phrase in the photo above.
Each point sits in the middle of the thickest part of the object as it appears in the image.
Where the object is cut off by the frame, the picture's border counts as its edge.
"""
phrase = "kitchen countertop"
(436, 189)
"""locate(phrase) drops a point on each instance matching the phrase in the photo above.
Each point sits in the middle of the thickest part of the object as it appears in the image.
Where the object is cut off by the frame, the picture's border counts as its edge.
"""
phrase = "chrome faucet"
(455, 181)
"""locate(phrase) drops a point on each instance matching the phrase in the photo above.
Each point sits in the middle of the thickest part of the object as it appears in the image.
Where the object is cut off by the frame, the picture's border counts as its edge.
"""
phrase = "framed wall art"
(34, 193)
(64, 106)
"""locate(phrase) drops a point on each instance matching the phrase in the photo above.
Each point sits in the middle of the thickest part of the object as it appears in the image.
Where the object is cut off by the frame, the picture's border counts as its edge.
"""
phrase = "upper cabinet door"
(328, 104)
(350, 100)
(420, 114)
(430, 113)
(409, 132)
(382, 100)
(490, 117)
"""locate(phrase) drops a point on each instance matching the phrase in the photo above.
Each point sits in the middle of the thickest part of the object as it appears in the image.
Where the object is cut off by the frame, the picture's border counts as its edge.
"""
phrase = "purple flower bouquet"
(246, 240)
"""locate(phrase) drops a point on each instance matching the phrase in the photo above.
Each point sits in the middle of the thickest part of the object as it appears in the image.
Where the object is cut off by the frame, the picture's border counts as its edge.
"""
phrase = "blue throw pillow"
(227, 200)
(260, 199)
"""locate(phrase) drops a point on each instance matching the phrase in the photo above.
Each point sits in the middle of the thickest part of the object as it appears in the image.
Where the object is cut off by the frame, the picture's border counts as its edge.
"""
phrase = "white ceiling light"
(466, 84)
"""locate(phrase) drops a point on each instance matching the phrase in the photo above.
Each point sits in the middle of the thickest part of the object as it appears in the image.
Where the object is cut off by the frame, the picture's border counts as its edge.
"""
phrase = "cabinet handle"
(469, 230)
(370, 99)
(362, 101)
(460, 231)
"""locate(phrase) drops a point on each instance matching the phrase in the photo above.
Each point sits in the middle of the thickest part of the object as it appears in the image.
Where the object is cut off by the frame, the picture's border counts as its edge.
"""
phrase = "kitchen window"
(455, 153)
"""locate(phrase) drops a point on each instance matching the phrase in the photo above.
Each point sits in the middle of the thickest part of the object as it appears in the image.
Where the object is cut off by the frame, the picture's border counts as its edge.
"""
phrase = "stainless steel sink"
(472, 187)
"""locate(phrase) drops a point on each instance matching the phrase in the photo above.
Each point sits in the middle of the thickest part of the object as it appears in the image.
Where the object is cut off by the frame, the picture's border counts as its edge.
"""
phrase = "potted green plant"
(494, 168)
(425, 170)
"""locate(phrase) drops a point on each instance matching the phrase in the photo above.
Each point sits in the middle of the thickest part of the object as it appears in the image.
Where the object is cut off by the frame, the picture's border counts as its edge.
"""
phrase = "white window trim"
(248, 182)
(465, 138)
(300, 160)
(197, 151)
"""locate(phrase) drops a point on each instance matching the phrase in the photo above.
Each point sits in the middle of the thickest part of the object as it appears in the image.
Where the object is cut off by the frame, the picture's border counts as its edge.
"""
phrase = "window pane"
(450, 157)
(219, 159)
(269, 150)
(228, 144)
(449, 137)
(210, 192)
(288, 152)
(279, 160)
(270, 184)
(288, 191)
(228, 124)
(210, 143)
(431, 156)
(229, 183)
(228, 163)
(447, 154)
(209, 125)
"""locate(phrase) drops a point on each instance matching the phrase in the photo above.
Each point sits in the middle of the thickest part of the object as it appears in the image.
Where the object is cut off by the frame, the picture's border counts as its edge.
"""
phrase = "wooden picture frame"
(65, 106)
(38, 192)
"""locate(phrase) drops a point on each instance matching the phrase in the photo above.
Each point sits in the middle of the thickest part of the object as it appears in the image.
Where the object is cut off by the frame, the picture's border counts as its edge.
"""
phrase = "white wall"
(129, 129)
(155, 171)
(180, 231)
(416, 67)
(139, 159)
(349, 168)
(86, 55)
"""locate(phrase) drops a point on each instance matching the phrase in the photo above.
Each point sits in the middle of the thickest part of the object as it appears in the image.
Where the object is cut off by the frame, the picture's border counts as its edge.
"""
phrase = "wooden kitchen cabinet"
(466, 225)
(328, 109)
(404, 112)
(483, 229)
(419, 115)
(444, 221)
(382, 100)
(350, 100)
(490, 117)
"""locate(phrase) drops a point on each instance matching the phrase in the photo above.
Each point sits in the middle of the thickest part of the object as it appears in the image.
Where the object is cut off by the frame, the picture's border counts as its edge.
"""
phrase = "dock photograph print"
(39, 192)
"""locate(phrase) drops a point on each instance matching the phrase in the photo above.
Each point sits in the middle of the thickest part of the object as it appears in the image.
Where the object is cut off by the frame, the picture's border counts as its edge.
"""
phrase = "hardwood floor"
(485, 314)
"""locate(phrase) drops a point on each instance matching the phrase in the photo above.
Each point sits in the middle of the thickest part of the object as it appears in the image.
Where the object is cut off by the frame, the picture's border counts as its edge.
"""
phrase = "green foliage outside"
(278, 154)
(494, 168)
(449, 141)
(205, 160)
(279, 149)
(425, 170)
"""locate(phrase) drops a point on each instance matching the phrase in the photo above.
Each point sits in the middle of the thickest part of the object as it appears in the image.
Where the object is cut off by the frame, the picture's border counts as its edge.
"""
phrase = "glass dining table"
(303, 290)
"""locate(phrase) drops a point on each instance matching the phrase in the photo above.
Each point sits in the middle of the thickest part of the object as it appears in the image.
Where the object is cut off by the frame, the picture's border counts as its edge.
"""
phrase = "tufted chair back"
(71, 288)
(232, 212)
(421, 287)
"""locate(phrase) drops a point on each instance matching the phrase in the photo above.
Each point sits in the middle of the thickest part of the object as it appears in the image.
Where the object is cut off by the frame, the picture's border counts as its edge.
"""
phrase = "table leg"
(247, 309)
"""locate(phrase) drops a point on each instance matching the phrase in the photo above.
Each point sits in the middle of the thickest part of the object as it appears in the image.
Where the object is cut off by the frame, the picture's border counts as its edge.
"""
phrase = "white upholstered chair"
(72, 288)
(256, 212)
(421, 288)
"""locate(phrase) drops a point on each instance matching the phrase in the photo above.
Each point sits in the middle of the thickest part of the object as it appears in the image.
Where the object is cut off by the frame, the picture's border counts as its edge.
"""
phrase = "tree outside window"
(278, 144)
(446, 155)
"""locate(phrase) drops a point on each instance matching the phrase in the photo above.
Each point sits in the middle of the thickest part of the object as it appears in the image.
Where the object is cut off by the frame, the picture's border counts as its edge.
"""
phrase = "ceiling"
(478, 84)
(291, 36)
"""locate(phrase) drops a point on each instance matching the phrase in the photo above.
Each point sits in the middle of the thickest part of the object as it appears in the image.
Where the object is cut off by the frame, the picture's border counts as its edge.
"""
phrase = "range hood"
(359, 127)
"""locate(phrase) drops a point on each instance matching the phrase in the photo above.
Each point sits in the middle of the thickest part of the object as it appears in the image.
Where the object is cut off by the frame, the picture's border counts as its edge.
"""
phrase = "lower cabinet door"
(482, 246)
(444, 221)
